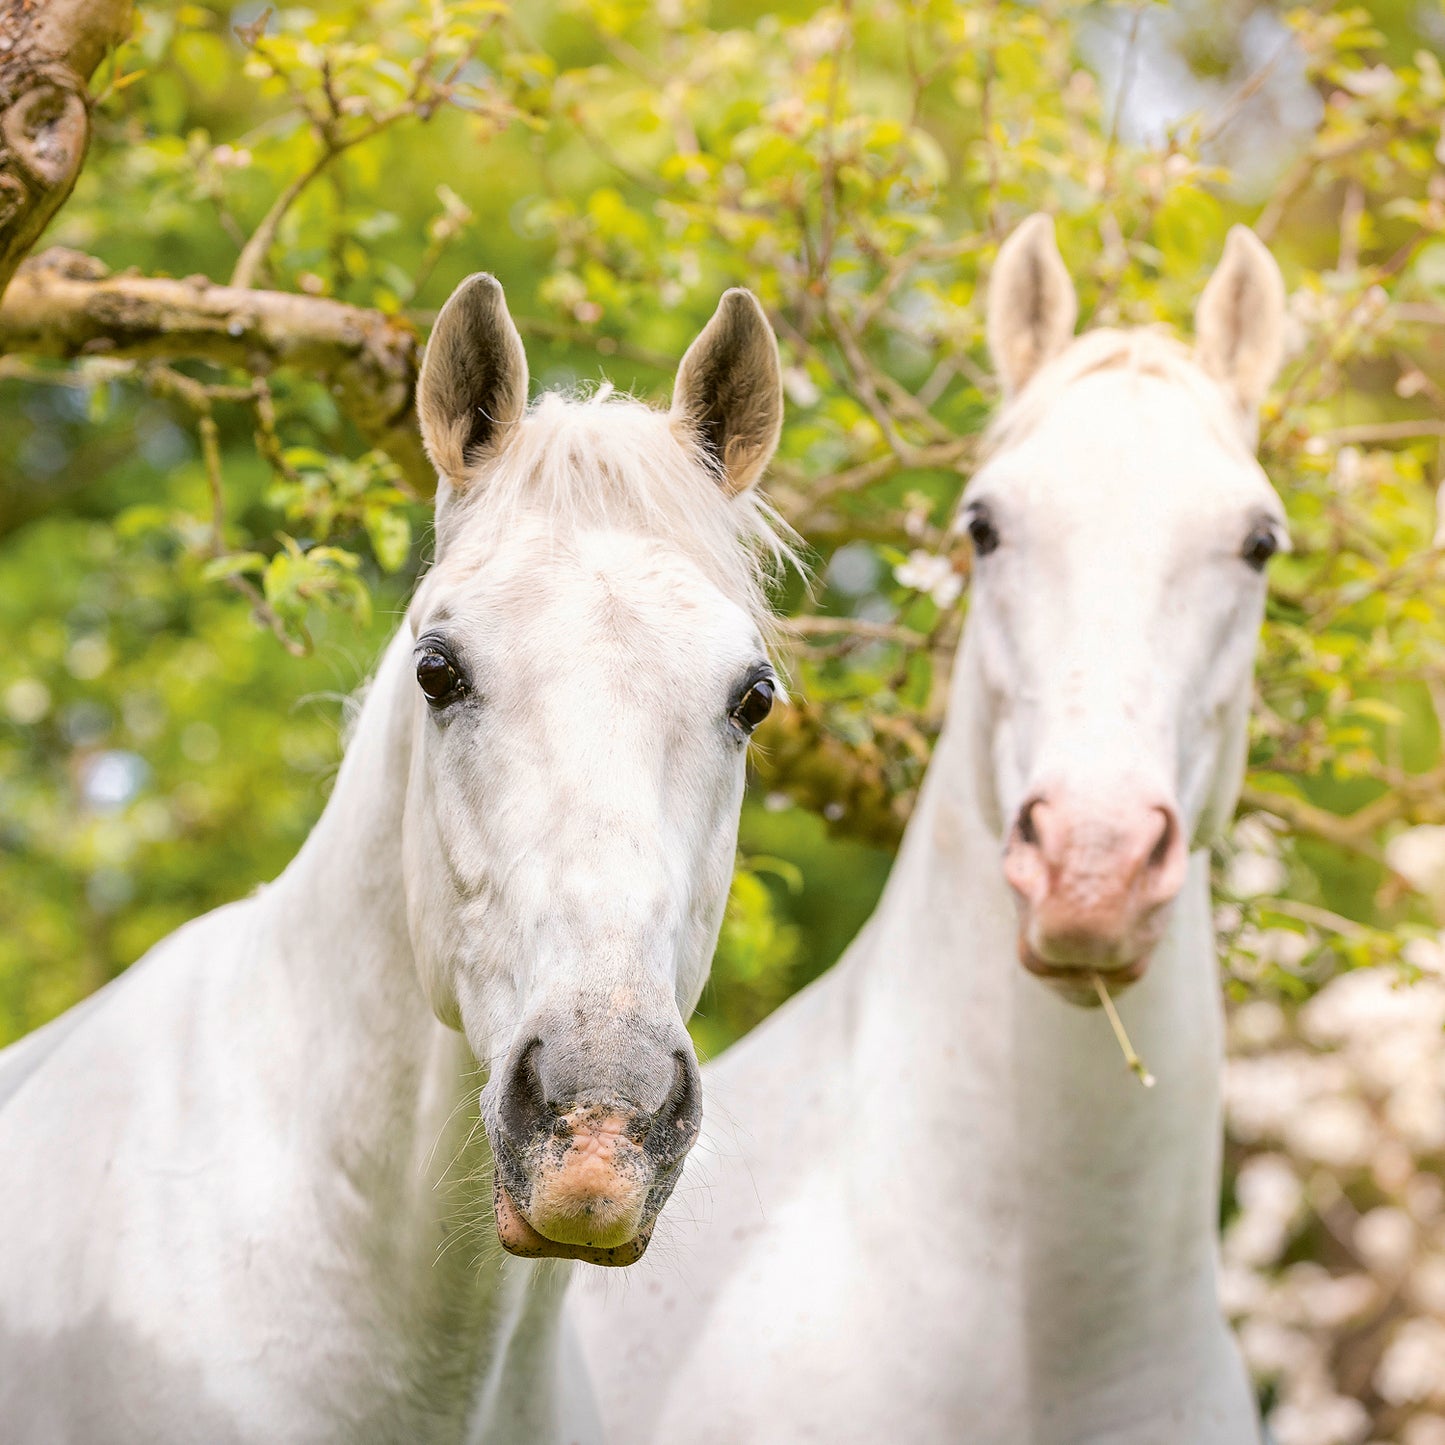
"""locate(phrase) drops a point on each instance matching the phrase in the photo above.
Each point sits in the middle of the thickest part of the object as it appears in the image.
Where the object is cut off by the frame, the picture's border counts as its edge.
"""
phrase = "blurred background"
(204, 546)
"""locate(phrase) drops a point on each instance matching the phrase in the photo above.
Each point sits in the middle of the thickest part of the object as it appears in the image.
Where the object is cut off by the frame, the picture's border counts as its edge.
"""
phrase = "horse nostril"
(1162, 849)
(678, 1118)
(523, 1105)
(1028, 831)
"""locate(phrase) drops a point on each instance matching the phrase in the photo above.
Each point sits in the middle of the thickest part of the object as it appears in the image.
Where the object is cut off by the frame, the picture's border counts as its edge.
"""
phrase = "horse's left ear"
(728, 396)
(1239, 323)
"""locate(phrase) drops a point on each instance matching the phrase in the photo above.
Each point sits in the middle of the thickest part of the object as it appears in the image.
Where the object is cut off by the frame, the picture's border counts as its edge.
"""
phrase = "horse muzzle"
(1094, 881)
(586, 1192)
(585, 1179)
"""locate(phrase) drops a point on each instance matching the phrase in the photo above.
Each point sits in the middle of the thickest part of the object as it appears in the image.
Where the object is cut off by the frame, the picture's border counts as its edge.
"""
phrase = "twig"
(425, 97)
(1323, 918)
(254, 252)
(1121, 96)
(858, 478)
(1351, 832)
(814, 626)
(1135, 1063)
(985, 126)
(1234, 107)
(1386, 431)
(828, 221)
(1352, 209)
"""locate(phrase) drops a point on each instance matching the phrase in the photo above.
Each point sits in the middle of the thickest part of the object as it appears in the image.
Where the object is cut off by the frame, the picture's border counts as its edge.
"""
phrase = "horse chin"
(519, 1237)
(1074, 982)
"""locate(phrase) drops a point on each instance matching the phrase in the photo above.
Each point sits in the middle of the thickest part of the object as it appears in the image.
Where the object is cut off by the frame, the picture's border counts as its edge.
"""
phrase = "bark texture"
(48, 52)
(65, 305)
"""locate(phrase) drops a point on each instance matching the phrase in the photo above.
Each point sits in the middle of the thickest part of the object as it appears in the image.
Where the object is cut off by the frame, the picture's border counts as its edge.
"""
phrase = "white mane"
(1146, 351)
(604, 460)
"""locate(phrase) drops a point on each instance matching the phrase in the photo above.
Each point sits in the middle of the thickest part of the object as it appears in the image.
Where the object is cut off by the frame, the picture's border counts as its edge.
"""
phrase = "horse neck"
(378, 1094)
(338, 924)
(1102, 1194)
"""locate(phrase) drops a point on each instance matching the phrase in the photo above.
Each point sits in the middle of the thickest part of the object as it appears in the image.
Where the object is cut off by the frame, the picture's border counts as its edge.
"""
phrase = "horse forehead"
(643, 570)
(1123, 434)
(601, 592)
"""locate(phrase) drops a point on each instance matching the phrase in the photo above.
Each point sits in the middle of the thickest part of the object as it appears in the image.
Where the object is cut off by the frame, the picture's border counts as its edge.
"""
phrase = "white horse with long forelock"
(942, 1209)
(246, 1192)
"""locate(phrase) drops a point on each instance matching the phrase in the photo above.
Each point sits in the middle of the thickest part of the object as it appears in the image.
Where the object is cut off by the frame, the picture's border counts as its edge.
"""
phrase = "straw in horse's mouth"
(1131, 1057)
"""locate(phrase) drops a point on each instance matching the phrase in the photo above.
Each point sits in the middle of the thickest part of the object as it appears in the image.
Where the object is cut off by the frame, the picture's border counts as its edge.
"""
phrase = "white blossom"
(1255, 875)
(1336, 1130)
(1339, 1108)
(802, 390)
(1328, 1420)
(1384, 1238)
(1419, 855)
(1424, 1430)
(931, 573)
(1412, 1369)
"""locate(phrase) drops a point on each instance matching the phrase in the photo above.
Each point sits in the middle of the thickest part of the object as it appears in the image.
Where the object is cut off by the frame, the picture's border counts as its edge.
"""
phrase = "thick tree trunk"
(48, 50)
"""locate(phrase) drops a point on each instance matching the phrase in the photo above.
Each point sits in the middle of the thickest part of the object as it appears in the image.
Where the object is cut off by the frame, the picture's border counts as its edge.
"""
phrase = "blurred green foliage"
(618, 164)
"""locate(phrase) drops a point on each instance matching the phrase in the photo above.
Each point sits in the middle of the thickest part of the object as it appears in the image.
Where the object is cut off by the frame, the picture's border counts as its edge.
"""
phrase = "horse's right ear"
(728, 397)
(1239, 323)
(473, 384)
(1032, 306)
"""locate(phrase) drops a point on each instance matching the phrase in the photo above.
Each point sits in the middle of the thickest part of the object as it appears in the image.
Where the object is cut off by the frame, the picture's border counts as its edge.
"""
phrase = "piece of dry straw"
(1136, 1064)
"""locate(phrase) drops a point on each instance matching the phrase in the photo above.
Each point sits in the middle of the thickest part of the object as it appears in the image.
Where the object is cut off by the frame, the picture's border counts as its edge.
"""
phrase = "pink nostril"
(1094, 866)
(1047, 830)
(1027, 855)
(1160, 856)
(1163, 871)
(1027, 831)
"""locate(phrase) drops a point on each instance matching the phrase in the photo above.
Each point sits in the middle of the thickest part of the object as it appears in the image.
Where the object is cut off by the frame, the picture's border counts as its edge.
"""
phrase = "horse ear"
(1032, 306)
(1239, 323)
(473, 383)
(728, 396)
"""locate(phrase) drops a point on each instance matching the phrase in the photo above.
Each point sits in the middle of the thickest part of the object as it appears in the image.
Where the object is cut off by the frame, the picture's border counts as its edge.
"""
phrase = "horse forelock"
(601, 460)
(1138, 352)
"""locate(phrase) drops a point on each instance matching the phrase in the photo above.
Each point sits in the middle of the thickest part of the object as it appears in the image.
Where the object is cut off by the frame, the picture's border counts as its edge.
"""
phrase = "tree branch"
(847, 784)
(66, 306)
(854, 786)
(48, 52)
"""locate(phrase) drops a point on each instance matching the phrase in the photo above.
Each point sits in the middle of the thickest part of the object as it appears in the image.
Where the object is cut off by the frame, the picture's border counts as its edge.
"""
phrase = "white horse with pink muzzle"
(246, 1192)
(938, 1206)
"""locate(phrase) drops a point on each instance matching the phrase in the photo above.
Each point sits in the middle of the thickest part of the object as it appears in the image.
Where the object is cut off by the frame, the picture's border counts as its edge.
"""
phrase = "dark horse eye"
(437, 676)
(757, 703)
(1259, 547)
(982, 530)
